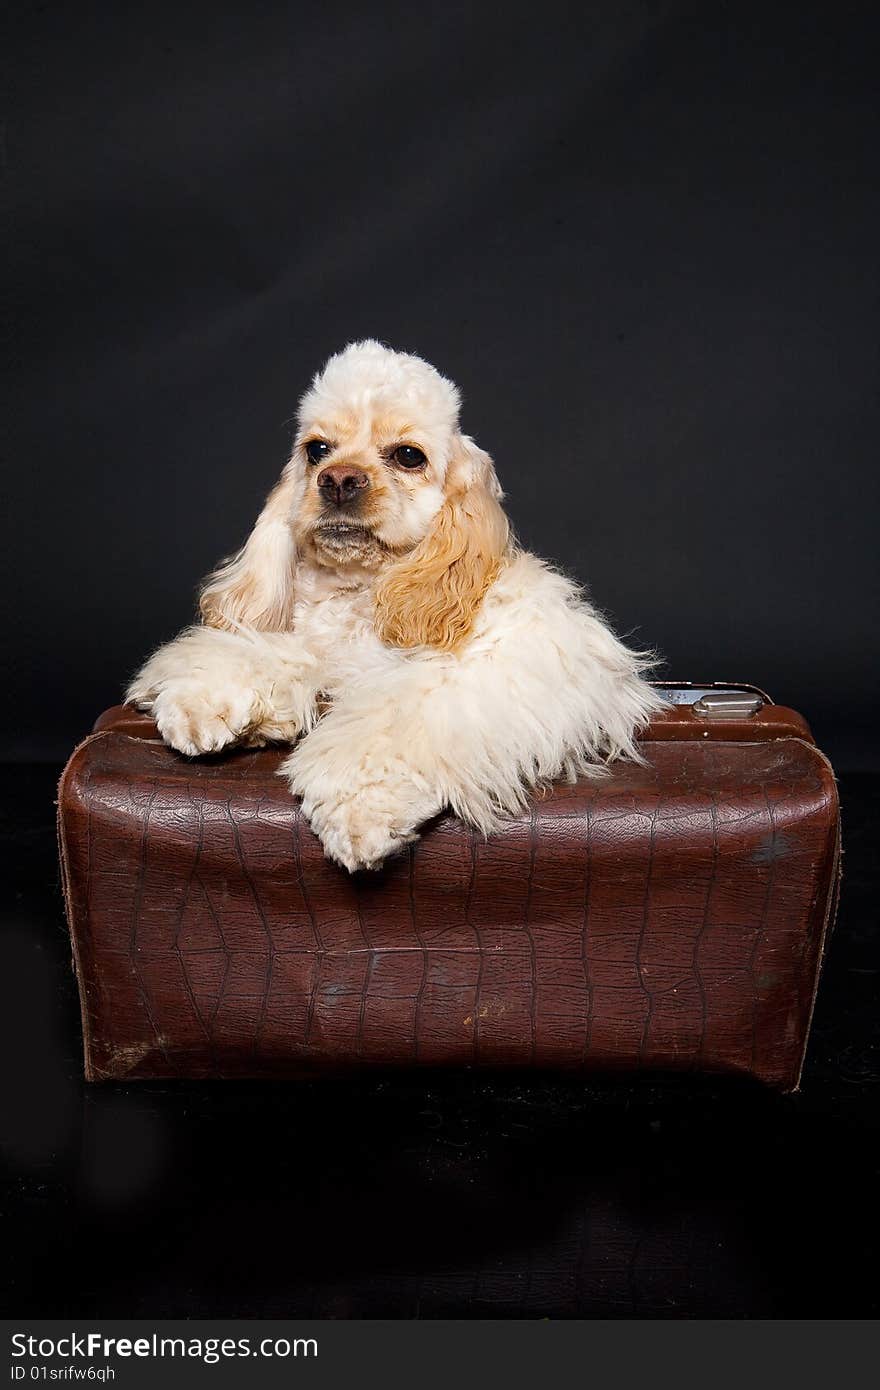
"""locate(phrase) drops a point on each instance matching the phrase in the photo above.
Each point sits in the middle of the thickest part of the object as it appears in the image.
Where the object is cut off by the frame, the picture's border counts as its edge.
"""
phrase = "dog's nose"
(340, 483)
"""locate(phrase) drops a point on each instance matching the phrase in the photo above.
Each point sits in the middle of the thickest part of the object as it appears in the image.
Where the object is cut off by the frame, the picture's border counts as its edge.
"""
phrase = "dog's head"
(382, 480)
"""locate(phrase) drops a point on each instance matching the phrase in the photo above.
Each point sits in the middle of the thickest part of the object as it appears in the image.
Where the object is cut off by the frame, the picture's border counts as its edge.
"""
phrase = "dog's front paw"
(363, 831)
(195, 719)
(362, 813)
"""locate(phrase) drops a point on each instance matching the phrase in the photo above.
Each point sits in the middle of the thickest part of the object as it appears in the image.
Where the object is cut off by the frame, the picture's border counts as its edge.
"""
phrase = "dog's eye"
(317, 450)
(408, 456)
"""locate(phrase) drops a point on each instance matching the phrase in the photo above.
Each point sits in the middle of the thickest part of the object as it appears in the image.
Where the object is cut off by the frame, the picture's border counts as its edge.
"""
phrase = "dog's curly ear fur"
(254, 588)
(431, 597)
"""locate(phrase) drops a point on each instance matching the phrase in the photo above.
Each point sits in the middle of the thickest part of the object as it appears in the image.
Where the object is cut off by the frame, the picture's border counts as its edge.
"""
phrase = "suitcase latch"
(727, 705)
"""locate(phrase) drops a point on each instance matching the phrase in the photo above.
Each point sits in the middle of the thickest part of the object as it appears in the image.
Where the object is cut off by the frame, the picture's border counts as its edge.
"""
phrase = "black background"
(642, 238)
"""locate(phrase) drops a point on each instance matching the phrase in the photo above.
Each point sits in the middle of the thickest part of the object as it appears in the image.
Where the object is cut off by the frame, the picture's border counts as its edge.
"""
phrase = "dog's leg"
(210, 688)
(391, 754)
(553, 694)
(365, 786)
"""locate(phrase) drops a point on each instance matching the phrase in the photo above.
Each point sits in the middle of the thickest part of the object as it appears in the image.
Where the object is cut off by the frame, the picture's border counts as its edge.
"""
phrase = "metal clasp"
(724, 705)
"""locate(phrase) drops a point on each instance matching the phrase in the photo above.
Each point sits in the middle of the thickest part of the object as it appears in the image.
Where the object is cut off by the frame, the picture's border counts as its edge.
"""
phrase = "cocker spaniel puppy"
(381, 618)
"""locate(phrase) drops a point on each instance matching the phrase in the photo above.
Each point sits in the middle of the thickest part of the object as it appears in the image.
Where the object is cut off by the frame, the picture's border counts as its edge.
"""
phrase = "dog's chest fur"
(334, 617)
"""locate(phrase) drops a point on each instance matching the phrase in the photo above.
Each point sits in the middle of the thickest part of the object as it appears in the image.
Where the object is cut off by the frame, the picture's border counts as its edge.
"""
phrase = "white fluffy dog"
(381, 614)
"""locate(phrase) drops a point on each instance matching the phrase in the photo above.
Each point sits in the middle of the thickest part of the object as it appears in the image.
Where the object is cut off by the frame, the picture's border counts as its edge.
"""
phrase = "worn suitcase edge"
(676, 723)
(76, 937)
(832, 905)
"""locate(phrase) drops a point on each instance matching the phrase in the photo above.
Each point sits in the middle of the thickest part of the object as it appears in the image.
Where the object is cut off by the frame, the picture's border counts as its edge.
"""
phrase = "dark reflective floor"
(436, 1195)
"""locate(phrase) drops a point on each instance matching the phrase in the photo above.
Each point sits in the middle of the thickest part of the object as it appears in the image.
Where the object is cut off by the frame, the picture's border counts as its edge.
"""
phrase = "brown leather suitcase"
(671, 917)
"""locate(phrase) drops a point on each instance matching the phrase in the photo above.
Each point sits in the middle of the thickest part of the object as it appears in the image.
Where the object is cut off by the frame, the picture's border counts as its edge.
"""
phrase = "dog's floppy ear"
(431, 597)
(254, 588)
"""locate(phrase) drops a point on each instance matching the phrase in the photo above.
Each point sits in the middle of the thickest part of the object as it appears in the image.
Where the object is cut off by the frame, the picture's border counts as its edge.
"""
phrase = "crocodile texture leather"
(671, 917)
